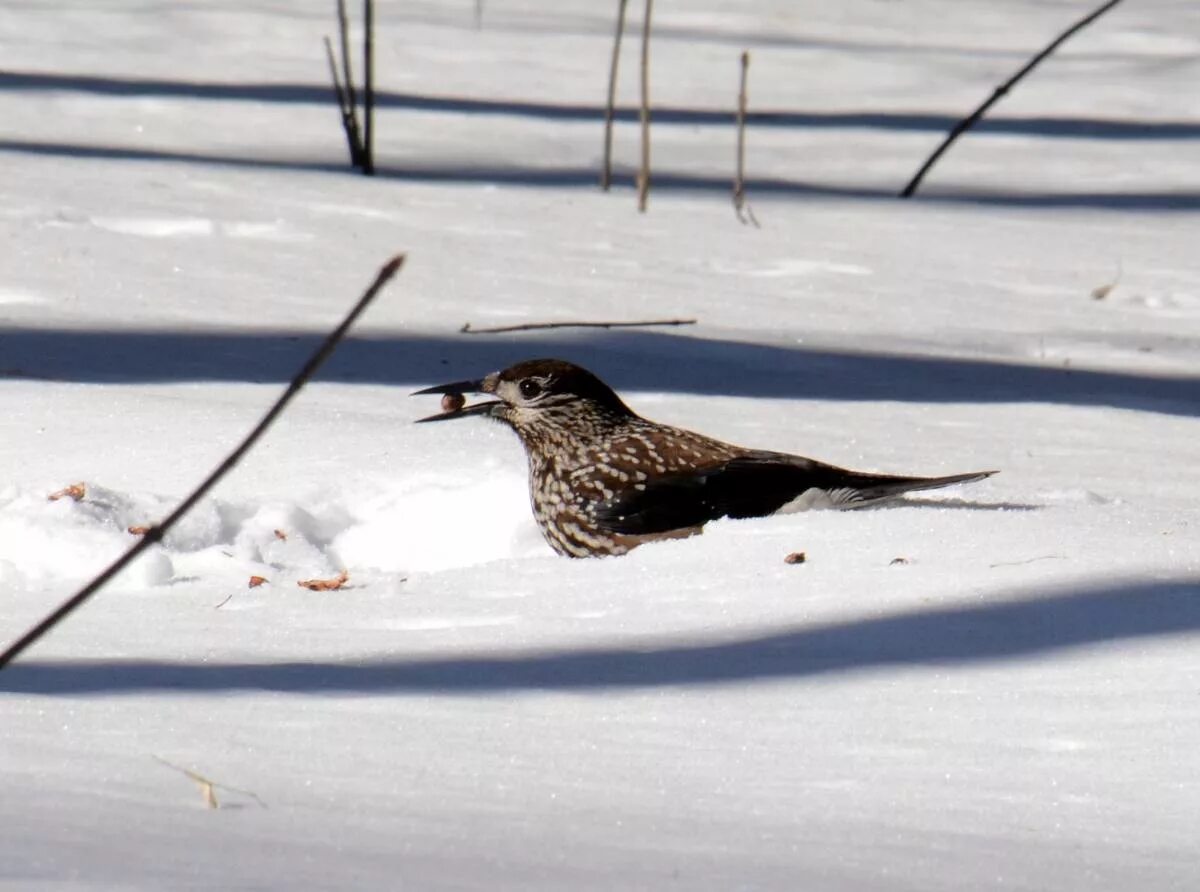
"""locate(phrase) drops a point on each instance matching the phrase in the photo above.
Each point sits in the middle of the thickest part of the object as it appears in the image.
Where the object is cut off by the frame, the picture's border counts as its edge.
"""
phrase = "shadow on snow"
(309, 94)
(587, 177)
(942, 637)
(657, 361)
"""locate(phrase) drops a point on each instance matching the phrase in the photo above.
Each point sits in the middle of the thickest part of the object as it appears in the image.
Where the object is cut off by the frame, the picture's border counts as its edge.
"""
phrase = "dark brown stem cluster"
(359, 139)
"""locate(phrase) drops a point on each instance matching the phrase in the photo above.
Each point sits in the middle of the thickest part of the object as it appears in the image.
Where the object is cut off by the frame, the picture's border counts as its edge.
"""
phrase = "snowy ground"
(1014, 704)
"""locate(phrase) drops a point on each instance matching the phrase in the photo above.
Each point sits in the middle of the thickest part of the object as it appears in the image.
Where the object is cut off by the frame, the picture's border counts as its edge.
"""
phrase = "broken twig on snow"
(1033, 560)
(1103, 291)
(535, 326)
(208, 787)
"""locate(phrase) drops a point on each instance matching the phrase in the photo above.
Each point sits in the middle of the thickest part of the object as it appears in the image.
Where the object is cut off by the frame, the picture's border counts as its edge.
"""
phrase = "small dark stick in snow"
(1105, 290)
(796, 557)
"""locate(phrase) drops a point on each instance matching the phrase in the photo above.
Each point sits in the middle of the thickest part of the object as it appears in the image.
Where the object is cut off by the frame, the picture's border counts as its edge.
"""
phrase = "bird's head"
(534, 393)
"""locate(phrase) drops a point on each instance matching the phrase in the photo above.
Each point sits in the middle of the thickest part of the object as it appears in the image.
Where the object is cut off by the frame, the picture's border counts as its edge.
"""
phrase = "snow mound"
(394, 529)
(403, 527)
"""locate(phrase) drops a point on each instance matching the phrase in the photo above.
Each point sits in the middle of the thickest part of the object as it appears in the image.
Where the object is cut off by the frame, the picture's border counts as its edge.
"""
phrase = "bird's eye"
(529, 389)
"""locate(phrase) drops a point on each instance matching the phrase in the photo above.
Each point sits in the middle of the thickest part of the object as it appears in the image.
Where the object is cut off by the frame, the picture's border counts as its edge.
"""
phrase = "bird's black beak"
(475, 386)
(459, 387)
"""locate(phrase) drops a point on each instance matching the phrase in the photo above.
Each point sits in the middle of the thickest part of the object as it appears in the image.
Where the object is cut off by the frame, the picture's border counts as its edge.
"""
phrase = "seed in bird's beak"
(452, 402)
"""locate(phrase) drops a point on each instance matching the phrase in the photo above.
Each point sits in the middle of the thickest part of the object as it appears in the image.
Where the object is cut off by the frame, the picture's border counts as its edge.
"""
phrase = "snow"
(990, 686)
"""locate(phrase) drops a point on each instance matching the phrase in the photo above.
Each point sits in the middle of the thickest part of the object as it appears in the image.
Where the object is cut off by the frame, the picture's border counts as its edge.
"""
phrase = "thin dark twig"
(740, 206)
(536, 326)
(349, 124)
(970, 120)
(368, 156)
(351, 106)
(155, 533)
(643, 178)
(610, 104)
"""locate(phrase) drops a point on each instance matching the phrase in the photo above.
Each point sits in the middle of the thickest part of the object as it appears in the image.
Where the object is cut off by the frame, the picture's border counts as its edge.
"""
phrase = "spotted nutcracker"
(604, 480)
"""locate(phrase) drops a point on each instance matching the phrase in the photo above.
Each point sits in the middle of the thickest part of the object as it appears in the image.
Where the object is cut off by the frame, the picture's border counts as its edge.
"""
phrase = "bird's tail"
(870, 489)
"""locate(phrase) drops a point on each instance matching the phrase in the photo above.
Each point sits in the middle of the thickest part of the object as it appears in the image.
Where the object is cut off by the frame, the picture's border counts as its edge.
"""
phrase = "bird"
(603, 480)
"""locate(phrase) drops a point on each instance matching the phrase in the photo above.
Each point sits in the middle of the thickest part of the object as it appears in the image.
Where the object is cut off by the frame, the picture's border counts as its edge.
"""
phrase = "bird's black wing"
(753, 485)
(741, 487)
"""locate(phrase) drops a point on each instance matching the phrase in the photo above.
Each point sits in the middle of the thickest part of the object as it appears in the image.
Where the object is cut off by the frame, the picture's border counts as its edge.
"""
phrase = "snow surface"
(1015, 703)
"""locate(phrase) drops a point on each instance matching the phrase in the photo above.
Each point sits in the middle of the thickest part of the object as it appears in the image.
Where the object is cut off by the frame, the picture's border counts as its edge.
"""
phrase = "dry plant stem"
(537, 326)
(970, 120)
(207, 786)
(156, 533)
(740, 206)
(739, 177)
(643, 183)
(610, 104)
(1044, 557)
(349, 123)
(368, 155)
(351, 102)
